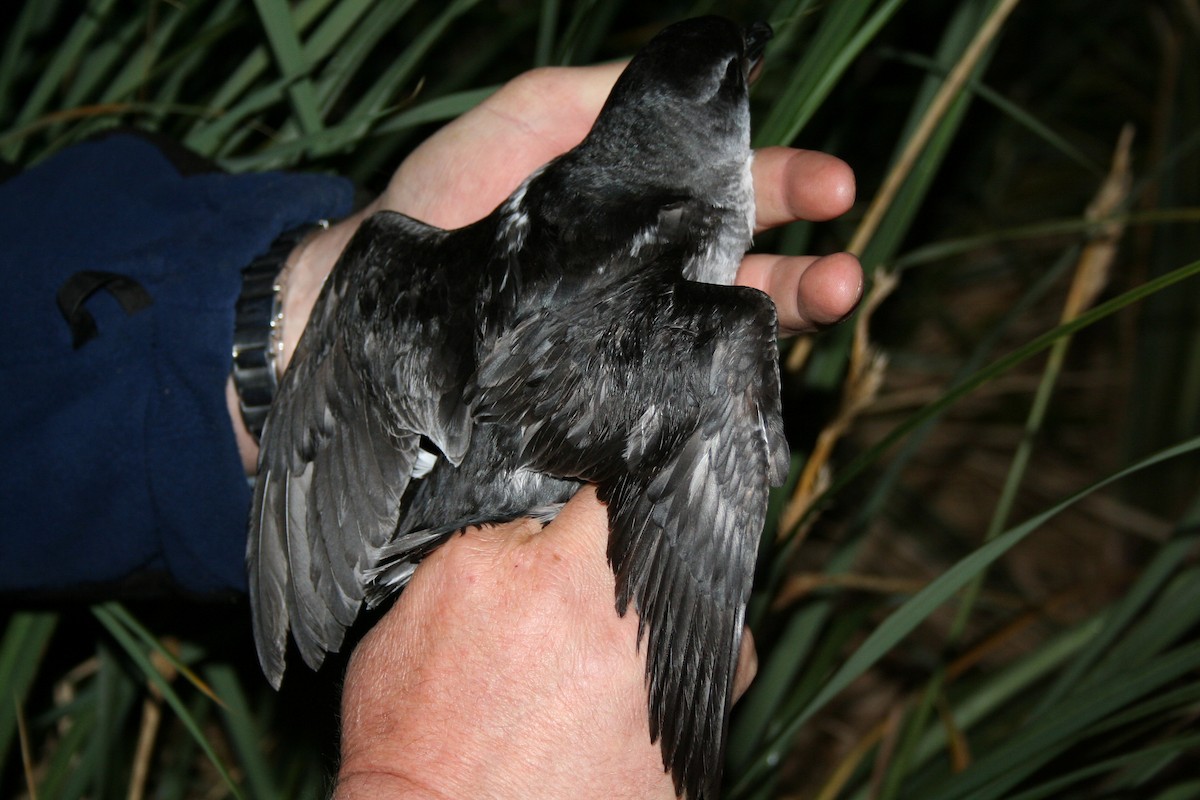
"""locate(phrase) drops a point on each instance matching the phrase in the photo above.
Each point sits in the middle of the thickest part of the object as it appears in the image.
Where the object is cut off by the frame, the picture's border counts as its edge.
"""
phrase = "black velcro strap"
(76, 290)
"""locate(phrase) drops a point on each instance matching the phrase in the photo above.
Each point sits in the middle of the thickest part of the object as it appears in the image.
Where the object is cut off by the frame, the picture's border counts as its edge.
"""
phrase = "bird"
(587, 331)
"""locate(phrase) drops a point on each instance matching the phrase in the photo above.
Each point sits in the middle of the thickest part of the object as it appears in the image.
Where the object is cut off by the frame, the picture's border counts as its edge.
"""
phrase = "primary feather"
(585, 331)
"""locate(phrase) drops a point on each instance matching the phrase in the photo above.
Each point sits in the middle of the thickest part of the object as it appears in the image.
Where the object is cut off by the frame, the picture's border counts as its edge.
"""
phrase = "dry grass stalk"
(151, 722)
(864, 376)
(867, 365)
(1095, 262)
(803, 584)
(956, 739)
(893, 726)
(938, 107)
(26, 751)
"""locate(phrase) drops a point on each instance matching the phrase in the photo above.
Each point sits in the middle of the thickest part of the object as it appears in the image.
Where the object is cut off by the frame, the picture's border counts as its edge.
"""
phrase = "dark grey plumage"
(585, 331)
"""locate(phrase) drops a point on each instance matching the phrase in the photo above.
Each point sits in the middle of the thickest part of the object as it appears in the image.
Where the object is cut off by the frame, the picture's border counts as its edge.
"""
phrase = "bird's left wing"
(343, 436)
(669, 400)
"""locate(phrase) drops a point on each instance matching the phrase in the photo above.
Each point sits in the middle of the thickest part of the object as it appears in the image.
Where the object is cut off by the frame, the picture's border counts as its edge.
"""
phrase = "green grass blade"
(276, 17)
(131, 81)
(1007, 765)
(17, 49)
(1133, 602)
(1013, 111)
(1054, 787)
(1189, 790)
(913, 612)
(400, 73)
(841, 38)
(547, 25)
(66, 57)
(226, 96)
(590, 21)
(444, 108)
(25, 640)
(116, 628)
(1000, 691)
(787, 19)
(119, 613)
(1048, 229)
(1002, 365)
(70, 769)
(99, 63)
(353, 45)
(244, 734)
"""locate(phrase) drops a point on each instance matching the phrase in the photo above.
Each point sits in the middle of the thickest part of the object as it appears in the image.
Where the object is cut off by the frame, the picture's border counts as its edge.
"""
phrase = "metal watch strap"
(256, 315)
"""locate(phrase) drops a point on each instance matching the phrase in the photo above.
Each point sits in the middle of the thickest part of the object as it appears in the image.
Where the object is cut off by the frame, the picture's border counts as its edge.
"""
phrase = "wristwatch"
(257, 318)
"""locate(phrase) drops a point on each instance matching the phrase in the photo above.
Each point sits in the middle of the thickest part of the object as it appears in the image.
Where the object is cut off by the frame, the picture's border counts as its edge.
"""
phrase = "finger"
(747, 666)
(556, 105)
(482, 156)
(809, 292)
(792, 184)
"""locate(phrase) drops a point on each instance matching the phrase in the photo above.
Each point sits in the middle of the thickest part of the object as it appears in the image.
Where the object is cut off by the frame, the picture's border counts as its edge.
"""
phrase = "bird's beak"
(756, 37)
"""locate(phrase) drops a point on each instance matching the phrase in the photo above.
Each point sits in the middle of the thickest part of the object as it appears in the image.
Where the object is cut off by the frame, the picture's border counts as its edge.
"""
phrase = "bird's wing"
(670, 401)
(341, 443)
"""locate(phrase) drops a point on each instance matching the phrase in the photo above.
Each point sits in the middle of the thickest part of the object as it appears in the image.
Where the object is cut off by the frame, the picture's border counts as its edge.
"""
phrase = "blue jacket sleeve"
(119, 457)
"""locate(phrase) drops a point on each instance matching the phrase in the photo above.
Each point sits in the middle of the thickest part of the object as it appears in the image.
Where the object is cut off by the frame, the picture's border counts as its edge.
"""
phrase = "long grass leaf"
(1055, 786)
(204, 139)
(25, 639)
(398, 75)
(17, 49)
(244, 734)
(99, 63)
(842, 37)
(1013, 111)
(997, 692)
(353, 48)
(787, 19)
(547, 24)
(904, 620)
(282, 35)
(119, 612)
(591, 20)
(1048, 229)
(1132, 603)
(131, 81)
(444, 108)
(1005, 767)
(66, 57)
(1002, 365)
(116, 628)
(930, 122)
(1187, 790)
(68, 771)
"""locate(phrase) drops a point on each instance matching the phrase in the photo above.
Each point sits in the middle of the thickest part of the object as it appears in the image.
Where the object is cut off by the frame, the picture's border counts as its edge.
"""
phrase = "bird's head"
(667, 161)
(681, 107)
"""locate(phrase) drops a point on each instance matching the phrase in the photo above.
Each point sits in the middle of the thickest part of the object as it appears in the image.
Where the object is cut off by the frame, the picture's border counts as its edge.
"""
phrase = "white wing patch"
(424, 463)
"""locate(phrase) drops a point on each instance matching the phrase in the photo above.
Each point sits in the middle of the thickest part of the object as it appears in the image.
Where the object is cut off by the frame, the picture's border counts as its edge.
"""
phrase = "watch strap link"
(255, 342)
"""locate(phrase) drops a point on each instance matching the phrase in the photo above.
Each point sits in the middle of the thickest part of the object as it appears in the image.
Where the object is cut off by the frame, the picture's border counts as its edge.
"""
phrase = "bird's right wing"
(668, 399)
(342, 440)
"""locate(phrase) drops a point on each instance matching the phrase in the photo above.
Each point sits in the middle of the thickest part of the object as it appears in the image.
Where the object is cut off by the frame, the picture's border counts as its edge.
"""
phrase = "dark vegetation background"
(945, 607)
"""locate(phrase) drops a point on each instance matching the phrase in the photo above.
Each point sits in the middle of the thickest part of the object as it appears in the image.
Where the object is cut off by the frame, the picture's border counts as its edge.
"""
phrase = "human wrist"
(297, 284)
(304, 274)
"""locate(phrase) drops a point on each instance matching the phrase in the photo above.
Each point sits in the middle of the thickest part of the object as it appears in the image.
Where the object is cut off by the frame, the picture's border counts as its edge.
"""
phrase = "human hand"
(471, 165)
(503, 669)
